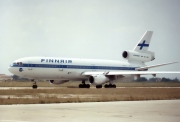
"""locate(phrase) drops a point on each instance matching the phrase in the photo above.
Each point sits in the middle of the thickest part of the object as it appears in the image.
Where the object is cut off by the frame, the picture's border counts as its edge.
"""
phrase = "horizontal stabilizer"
(153, 66)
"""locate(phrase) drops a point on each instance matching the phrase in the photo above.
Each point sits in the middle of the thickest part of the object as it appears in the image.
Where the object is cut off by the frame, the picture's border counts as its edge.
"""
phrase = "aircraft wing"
(129, 72)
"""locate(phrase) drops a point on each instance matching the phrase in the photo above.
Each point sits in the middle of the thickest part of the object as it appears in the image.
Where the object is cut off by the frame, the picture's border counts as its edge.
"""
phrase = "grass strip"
(40, 96)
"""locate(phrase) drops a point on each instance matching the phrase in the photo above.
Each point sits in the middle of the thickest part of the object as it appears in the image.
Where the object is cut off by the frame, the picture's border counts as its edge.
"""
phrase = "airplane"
(96, 71)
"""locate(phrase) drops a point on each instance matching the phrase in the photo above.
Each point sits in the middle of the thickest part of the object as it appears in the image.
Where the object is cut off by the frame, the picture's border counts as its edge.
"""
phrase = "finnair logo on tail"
(143, 45)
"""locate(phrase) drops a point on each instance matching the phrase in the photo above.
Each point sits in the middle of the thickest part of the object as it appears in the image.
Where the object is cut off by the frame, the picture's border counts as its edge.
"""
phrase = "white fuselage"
(52, 68)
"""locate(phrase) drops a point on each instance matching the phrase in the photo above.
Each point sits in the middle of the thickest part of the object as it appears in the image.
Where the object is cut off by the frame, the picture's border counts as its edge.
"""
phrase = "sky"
(95, 29)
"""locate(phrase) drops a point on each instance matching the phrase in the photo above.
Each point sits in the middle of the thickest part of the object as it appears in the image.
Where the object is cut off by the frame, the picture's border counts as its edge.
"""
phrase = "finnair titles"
(56, 61)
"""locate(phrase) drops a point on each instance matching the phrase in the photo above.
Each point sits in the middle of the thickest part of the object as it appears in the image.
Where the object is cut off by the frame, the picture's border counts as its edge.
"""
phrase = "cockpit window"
(18, 63)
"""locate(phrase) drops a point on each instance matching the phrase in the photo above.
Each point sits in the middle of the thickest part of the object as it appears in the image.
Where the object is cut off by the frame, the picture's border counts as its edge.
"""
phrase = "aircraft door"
(29, 65)
(60, 67)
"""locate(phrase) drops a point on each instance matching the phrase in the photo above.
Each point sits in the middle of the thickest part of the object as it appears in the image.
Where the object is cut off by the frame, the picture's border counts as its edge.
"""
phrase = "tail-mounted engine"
(138, 56)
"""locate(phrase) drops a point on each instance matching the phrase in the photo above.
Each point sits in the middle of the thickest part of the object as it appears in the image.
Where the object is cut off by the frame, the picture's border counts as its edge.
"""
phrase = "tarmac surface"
(6, 88)
(124, 111)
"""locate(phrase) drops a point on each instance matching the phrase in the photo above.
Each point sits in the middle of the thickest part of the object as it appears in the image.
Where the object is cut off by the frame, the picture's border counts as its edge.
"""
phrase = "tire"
(87, 86)
(113, 86)
(80, 85)
(99, 86)
(106, 86)
(110, 86)
(34, 86)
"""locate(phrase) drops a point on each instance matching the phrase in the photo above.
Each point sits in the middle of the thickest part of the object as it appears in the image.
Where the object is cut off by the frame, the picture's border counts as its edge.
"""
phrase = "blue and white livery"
(96, 71)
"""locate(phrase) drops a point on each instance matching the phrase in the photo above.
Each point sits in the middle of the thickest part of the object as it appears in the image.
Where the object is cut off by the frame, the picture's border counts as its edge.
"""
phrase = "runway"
(124, 111)
(6, 88)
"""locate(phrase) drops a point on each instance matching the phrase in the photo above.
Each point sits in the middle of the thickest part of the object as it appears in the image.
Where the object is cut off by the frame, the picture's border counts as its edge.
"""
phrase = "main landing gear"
(98, 86)
(34, 86)
(110, 86)
(106, 86)
(84, 85)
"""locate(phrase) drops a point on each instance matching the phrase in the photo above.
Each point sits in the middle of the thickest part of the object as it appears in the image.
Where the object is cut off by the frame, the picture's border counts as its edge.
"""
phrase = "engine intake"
(138, 56)
(98, 79)
(125, 54)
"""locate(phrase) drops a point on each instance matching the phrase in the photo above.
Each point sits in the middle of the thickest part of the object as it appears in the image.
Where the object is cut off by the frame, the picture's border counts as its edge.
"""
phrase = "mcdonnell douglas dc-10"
(96, 71)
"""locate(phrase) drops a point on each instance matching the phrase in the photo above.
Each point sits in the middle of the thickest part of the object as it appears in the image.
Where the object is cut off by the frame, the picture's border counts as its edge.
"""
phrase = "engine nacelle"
(58, 81)
(138, 56)
(98, 79)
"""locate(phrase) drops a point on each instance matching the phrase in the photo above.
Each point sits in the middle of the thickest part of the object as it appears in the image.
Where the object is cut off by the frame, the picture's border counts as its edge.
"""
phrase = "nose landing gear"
(34, 86)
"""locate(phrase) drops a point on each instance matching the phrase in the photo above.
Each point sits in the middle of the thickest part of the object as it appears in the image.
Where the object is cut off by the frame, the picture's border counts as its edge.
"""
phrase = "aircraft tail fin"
(144, 42)
(140, 53)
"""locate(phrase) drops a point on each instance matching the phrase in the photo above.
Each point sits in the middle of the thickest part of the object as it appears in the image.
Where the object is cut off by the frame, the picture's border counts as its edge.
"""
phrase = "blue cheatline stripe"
(74, 67)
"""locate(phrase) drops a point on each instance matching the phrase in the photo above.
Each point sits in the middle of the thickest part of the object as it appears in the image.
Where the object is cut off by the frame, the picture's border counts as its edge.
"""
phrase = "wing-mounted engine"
(58, 81)
(98, 79)
(138, 56)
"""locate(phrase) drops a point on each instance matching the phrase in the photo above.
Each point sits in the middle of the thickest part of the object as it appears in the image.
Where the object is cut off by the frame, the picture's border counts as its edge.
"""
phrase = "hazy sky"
(100, 29)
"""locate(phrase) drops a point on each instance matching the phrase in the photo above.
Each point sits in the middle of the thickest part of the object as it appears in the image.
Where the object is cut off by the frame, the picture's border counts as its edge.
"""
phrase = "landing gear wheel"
(87, 86)
(34, 86)
(106, 86)
(80, 85)
(99, 86)
(83, 85)
(113, 86)
(109, 86)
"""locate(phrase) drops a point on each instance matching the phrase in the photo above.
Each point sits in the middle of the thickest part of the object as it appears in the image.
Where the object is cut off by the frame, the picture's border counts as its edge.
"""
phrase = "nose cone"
(12, 69)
